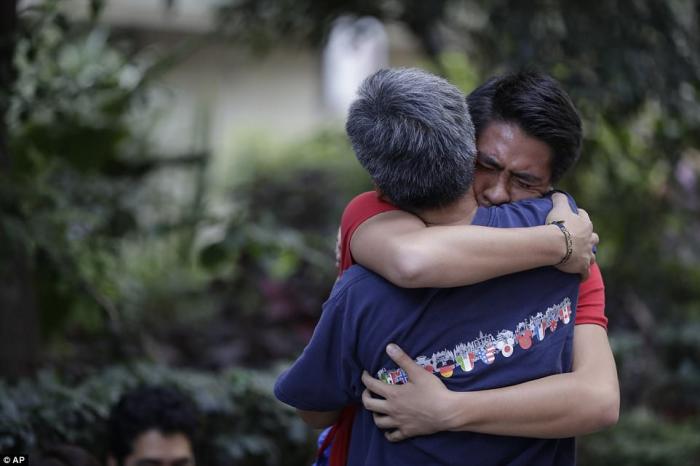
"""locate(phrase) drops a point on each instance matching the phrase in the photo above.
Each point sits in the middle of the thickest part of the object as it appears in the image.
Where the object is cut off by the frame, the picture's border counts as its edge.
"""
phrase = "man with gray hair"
(412, 132)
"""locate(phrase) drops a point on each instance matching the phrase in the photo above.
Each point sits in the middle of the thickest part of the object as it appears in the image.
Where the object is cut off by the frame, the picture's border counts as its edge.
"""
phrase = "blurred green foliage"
(76, 157)
(215, 277)
(645, 439)
(241, 422)
(271, 264)
(264, 24)
(114, 254)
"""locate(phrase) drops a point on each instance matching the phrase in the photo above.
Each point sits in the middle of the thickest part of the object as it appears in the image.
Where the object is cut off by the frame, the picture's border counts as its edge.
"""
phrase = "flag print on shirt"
(540, 326)
(565, 313)
(445, 363)
(524, 333)
(463, 357)
(485, 348)
(486, 354)
(395, 377)
(505, 342)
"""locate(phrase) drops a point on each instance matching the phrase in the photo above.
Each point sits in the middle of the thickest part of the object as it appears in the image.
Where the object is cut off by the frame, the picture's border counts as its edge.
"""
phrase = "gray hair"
(412, 132)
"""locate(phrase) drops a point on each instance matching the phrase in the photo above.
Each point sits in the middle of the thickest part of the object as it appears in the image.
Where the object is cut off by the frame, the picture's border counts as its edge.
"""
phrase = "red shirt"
(591, 299)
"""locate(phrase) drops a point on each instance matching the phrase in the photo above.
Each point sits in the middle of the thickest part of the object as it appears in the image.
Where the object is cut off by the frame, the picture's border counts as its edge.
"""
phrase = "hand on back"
(419, 407)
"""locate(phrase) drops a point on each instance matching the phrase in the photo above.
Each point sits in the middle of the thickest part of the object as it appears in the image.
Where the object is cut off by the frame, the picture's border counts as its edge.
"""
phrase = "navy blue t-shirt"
(493, 334)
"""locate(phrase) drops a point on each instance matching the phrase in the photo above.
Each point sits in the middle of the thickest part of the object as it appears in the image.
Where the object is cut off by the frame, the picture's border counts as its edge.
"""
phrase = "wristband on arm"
(567, 238)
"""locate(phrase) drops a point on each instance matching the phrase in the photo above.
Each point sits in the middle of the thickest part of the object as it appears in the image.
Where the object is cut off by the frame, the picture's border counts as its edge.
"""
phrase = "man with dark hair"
(500, 332)
(540, 108)
(152, 426)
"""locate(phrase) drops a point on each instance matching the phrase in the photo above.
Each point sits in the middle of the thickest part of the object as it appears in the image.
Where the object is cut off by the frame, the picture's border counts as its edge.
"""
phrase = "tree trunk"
(8, 26)
(19, 320)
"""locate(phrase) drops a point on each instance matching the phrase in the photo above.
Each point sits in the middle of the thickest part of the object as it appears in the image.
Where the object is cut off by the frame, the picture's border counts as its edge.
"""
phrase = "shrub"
(241, 422)
(643, 438)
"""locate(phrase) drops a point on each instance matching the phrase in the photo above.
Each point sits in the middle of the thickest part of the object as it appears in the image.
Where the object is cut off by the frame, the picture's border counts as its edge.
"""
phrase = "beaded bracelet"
(567, 238)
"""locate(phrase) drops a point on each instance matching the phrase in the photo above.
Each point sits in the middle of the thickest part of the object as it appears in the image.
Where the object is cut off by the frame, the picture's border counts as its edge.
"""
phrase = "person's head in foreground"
(152, 426)
(528, 136)
(411, 131)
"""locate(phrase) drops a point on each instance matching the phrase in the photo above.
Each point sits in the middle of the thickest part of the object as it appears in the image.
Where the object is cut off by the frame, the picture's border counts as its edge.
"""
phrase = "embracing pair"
(471, 329)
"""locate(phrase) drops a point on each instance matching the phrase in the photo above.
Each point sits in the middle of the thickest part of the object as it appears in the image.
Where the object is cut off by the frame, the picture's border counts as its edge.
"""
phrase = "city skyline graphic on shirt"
(486, 347)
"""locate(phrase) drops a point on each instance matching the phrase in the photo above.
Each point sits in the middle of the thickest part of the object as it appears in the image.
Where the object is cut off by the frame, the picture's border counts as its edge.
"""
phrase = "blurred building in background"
(356, 48)
(288, 91)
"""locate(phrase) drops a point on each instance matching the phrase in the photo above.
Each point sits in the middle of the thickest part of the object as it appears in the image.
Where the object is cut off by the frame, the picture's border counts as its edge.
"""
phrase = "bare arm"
(318, 419)
(399, 246)
(576, 403)
(564, 405)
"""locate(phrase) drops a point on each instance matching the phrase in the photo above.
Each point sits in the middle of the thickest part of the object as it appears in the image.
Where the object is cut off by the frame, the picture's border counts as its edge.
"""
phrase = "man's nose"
(498, 194)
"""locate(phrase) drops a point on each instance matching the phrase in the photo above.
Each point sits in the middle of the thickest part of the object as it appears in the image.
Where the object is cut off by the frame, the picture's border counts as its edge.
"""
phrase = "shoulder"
(363, 207)
(354, 277)
(359, 210)
(360, 288)
(525, 213)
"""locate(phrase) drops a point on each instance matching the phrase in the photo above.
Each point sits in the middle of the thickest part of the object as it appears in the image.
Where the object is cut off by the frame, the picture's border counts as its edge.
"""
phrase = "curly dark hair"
(146, 408)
